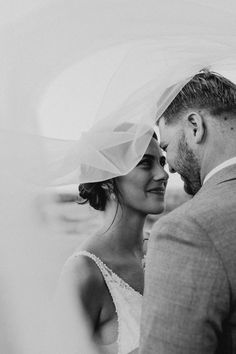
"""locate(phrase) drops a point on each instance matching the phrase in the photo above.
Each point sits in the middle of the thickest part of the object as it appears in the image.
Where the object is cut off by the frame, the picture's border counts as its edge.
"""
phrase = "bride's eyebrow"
(149, 156)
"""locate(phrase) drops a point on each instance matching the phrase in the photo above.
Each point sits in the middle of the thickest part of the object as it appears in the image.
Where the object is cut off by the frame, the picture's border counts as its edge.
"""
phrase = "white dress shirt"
(224, 164)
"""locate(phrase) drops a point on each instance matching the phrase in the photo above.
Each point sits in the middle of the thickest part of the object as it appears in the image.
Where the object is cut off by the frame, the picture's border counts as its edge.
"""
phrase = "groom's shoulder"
(182, 217)
(209, 216)
(187, 209)
(205, 224)
(208, 203)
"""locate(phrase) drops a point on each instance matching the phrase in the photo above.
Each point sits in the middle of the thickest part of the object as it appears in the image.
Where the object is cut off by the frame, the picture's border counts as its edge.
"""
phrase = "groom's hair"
(206, 90)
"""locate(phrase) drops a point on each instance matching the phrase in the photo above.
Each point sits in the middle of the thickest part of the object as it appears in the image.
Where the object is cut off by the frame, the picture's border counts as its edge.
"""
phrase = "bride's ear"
(196, 126)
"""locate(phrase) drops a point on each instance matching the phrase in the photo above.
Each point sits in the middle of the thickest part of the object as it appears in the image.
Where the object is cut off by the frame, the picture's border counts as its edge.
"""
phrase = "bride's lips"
(157, 190)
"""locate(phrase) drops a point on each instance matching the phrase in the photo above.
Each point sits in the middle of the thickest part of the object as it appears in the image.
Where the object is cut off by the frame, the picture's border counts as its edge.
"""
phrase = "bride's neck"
(123, 227)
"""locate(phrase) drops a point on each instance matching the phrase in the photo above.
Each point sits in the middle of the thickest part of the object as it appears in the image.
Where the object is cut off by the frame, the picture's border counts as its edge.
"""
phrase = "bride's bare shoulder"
(83, 272)
(82, 281)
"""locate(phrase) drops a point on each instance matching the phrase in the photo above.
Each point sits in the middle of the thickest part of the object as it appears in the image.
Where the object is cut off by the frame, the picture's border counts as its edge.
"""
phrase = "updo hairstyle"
(97, 194)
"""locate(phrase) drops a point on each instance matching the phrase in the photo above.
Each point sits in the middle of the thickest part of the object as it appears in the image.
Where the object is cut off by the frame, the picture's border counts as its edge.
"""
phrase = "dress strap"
(127, 302)
(103, 267)
(108, 277)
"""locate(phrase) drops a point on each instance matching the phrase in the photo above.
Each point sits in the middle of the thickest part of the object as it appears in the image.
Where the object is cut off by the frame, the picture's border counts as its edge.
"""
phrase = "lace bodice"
(128, 304)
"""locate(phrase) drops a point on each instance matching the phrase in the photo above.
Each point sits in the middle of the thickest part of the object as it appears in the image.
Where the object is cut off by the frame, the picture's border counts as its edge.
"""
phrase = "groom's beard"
(188, 167)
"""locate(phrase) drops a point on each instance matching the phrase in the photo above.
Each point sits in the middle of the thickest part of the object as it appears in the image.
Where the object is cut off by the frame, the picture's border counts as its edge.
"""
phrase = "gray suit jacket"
(190, 282)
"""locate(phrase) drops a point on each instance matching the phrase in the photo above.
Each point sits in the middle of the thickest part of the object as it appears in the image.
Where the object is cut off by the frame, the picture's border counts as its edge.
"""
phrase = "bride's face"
(143, 189)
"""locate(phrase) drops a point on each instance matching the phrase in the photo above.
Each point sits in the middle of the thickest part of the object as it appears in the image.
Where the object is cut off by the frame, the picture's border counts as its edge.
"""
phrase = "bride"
(106, 274)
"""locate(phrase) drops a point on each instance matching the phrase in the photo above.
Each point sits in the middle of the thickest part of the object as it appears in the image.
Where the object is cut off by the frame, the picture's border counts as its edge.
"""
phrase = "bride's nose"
(160, 174)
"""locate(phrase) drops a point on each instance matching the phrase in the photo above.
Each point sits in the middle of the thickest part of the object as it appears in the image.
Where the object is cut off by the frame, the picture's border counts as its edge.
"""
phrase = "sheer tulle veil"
(151, 50)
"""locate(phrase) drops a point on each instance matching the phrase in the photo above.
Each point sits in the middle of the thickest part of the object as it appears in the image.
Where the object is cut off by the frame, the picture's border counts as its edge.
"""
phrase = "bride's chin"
(158, 209)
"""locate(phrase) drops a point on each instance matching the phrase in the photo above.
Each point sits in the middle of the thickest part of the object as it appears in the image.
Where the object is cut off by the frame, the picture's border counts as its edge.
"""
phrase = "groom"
(190, 280)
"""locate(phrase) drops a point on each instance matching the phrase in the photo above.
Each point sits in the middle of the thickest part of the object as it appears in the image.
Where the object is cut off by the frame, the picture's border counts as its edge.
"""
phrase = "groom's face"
(180, 157)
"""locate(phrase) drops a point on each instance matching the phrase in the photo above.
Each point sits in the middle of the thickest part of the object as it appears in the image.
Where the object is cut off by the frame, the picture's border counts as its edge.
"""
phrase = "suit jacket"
(190, 280)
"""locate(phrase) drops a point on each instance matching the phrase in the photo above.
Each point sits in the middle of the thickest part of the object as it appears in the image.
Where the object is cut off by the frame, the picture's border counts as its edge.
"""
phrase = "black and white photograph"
(118, 177)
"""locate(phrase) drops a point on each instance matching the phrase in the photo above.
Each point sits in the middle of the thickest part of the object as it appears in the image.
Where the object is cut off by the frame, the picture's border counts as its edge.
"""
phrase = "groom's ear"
(196, 126)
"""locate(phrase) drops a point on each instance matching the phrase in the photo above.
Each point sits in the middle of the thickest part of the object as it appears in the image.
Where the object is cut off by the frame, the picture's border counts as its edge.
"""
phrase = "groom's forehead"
(167, 132)
(163, 134)
(163, 127)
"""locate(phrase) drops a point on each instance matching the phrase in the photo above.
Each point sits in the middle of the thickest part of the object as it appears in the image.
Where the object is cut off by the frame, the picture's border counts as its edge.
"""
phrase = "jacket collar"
(229, 162)
(226, 174)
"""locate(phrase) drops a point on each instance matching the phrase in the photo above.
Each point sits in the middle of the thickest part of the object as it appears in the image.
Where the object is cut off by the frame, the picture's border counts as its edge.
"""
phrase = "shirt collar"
(220, 167)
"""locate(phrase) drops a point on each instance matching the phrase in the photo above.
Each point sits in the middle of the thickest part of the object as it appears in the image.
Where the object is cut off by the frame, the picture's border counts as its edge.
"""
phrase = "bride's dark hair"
(98, 193)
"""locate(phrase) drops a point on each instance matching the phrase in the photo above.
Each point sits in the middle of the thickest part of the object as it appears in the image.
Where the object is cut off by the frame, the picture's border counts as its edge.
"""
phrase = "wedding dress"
(128, 303)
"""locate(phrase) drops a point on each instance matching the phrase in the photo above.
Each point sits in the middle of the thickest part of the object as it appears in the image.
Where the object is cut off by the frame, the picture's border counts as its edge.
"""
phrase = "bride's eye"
(145, 163)
(162, 161)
